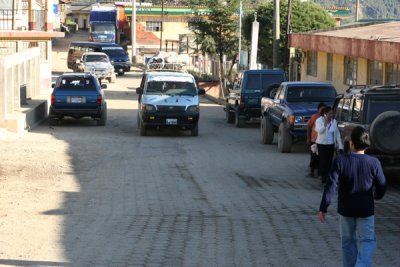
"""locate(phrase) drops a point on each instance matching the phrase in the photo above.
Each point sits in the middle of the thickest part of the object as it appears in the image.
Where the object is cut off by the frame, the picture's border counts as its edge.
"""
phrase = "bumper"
(75, 112)
(119, 67)
(185, 120)
(299, 131)
(250, 112)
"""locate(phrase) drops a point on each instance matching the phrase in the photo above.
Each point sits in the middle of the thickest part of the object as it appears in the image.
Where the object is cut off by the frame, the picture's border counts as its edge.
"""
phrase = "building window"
(153, 26)
(350, 71)
(329, 67)
(375, 72)
(312, 59)
(392, 73)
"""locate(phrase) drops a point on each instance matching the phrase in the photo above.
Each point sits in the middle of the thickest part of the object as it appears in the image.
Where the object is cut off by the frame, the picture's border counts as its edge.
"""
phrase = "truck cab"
(103, 23)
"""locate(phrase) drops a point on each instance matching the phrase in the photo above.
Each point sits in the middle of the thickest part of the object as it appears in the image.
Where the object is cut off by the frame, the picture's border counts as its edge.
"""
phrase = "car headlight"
(148, 107)
(193, 108)
(295, 119)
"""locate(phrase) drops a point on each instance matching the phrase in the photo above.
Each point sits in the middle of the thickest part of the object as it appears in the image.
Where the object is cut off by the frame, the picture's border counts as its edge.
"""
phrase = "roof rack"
(166, 67)
(366, 88)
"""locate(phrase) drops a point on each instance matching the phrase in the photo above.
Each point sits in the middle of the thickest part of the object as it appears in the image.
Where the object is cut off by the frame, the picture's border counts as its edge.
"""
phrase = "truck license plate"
(77, 100)
(172, 121)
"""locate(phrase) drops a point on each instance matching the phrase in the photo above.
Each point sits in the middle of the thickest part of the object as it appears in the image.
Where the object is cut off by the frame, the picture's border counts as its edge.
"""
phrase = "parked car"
(168, 98)
(78, 95)
(376, 108)
(288, 113)
(118, 56)
(97, 63)
(243, 101)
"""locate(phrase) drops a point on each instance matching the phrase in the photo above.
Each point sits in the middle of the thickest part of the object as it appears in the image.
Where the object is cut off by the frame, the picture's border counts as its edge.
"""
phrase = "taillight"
(53, 100)
(99, 98)
(241, 104)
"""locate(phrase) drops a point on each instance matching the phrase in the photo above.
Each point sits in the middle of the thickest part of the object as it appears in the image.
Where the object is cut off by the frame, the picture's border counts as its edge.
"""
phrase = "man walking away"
(312, 137)
(360, 180)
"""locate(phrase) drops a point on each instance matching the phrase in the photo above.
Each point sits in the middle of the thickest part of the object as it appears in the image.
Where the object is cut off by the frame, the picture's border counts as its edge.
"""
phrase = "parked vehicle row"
(286, 109)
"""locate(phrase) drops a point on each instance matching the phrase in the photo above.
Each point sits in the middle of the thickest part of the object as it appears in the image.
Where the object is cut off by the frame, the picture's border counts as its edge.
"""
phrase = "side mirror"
(139, 91)
(103, 86)
(201, 91)
(53, 85)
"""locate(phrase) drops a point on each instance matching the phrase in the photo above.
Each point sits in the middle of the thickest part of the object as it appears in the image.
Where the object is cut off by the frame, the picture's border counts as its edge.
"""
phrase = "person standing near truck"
(360, 180)
(312, 137)
(328, 138)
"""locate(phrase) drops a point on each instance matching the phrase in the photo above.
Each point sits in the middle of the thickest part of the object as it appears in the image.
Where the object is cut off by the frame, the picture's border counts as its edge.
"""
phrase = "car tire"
(230, 116)
(103, 117)
(121, 73)
(195, 130)
(267, 131)
(385, 131)
(284, 139)
(239, 121)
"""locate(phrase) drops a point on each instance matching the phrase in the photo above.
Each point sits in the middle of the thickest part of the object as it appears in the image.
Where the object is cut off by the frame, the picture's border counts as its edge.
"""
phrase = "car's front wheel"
(284, 139)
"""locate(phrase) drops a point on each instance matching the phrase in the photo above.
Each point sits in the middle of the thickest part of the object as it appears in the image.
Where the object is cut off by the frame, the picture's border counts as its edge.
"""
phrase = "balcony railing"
(17, 19)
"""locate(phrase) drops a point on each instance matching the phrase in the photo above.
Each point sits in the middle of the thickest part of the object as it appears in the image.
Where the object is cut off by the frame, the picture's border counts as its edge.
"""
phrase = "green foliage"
(218, 34)
(306, 16)
(370, 9)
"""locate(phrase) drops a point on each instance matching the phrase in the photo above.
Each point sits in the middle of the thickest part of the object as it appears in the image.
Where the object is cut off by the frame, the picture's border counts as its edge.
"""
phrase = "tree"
(306, 16)
(217, 35)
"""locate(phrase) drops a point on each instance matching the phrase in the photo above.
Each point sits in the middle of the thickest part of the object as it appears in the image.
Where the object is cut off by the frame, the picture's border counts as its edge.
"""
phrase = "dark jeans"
(314, 160)
(325, 160)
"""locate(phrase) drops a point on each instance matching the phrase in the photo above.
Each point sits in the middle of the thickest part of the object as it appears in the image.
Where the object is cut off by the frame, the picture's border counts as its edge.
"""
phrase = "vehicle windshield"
(114, 51)
(171, 88)
(76, 83)
(311, 94)
(378, 105)
(103, 28)
(96, 58)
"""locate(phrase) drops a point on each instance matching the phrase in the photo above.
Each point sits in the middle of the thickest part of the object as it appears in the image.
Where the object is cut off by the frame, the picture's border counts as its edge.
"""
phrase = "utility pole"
(240, 34)
(133, 31)
(13, 15)
(288, 31)
(277, 20)
(162, 22)
(357, 9)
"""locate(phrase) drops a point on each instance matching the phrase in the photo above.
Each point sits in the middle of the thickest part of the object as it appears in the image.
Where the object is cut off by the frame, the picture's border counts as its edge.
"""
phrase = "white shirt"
(328, 135)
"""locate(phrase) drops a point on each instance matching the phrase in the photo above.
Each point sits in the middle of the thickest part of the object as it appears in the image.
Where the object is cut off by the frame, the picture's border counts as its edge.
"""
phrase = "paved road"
(83, 195)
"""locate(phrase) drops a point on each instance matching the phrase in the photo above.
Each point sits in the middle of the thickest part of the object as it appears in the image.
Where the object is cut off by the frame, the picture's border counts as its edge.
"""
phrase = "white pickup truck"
(98, 64)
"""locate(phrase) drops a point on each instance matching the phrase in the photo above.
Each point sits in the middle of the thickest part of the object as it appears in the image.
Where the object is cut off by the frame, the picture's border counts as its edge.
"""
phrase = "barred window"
(153, 26)
(312, 63)
(350, 71)
(375, 72)
(392, 73)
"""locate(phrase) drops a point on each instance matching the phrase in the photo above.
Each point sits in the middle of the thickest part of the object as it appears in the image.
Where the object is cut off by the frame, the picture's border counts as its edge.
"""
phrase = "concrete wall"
(16, 70)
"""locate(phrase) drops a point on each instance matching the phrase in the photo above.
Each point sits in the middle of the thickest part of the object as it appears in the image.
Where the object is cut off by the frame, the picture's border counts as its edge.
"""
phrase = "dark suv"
(378, 110)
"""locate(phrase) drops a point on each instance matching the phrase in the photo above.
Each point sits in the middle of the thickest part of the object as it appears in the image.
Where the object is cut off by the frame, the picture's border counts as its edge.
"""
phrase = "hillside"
(370, 9)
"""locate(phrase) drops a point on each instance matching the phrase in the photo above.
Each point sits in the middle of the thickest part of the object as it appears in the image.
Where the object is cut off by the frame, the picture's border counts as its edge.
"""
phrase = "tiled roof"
(145, 38)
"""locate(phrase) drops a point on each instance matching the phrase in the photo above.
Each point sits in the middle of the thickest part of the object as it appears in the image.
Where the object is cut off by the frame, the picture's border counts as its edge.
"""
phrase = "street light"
(162, 22)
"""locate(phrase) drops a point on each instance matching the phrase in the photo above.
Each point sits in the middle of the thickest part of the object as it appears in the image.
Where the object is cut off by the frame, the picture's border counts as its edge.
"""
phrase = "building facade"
(360, 54)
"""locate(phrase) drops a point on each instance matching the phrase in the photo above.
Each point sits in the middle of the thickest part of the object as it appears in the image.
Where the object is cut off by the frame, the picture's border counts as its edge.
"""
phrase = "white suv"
(168, 99)
(98, 64)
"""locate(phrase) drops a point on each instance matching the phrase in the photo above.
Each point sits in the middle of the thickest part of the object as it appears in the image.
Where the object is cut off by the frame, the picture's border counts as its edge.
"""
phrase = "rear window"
(378, 105)
(258, 81)
(76, 83)
(311, 94)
